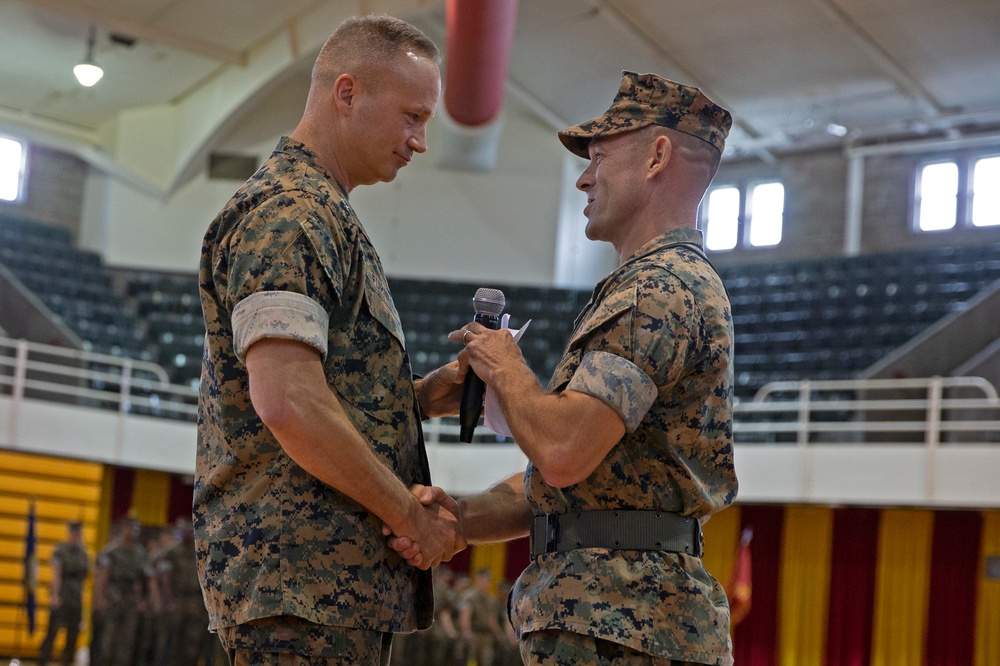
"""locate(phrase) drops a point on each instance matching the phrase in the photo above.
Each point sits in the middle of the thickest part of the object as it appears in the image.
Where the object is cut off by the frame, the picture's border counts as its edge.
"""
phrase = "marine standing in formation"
(70, 566)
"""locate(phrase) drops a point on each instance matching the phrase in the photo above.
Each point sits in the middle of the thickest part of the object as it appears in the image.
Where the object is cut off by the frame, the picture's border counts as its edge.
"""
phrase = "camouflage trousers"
(292, 641)
(563, 648)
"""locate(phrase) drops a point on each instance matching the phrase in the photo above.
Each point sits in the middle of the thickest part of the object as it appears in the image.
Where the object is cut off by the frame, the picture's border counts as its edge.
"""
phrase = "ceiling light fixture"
(87, 73)
(835, 129)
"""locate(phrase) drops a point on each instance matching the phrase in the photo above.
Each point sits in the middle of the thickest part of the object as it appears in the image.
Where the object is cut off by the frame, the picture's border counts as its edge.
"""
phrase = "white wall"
(502, 226)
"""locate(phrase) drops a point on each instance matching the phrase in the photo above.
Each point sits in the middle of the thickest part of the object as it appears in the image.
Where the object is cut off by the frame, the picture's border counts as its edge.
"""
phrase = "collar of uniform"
(688, 235)
(301, 152)
(681, 235)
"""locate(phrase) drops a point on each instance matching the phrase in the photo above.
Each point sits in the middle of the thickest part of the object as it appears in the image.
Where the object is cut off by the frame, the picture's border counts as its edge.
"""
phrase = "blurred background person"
(118, 596)
(70, 566)
(478, 613)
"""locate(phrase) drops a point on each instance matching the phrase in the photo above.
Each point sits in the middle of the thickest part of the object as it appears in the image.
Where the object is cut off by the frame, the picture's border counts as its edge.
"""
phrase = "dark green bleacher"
(430, 309)
(832, 318)
(821, 319)
(175, 328)
(73, 284)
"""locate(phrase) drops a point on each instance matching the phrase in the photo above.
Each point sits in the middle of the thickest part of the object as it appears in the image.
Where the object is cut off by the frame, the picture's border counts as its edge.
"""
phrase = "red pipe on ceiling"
(480, 36)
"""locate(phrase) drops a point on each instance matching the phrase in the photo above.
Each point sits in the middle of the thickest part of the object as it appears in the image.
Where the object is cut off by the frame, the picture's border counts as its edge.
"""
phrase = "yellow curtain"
(804, 587)
(492, 556)
(902, 587)
(61, 490)
(151, 497)
(722, 536)
(987, 651)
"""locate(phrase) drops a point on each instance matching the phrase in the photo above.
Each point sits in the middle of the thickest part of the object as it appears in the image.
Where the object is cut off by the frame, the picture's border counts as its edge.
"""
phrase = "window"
(744, 216)
(11, 169)
(937, 196)
(986, 192)
(722, 219)
(958, 193)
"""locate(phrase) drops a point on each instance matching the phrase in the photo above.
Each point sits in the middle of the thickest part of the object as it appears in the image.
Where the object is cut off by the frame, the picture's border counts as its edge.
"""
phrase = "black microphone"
(488, 304)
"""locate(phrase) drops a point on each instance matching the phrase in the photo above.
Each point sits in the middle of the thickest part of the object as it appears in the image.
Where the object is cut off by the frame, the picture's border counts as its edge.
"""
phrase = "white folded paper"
(492, 414)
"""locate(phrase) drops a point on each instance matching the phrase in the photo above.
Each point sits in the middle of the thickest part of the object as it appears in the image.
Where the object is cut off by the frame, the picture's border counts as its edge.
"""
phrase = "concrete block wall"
(55, 186)
(816, 204)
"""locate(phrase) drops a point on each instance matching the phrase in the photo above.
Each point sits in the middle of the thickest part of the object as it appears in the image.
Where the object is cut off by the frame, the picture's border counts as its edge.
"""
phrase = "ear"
(660, 151)
(345, 92)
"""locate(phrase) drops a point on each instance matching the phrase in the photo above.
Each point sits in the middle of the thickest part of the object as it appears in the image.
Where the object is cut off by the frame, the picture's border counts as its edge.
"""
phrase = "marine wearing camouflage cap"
(648, 99)
(655, 344)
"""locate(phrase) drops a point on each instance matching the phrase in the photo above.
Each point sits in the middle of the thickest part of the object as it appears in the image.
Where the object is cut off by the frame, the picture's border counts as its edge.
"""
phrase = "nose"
(418, 140)
(586, 179)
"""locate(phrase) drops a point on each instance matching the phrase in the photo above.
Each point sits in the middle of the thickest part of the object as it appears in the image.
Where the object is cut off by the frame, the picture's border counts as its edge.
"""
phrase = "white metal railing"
(447, 430)
(34, 370)
(934, 409)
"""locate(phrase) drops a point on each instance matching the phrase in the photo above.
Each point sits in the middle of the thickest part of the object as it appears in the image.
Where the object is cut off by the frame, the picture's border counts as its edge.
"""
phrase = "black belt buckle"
(551, 543)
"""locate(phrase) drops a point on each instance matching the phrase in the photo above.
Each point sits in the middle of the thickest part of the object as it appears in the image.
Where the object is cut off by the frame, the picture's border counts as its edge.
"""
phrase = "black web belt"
(615, 530)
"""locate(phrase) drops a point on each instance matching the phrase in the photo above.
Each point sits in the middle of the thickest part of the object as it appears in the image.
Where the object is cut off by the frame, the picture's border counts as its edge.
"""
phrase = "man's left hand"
(440, 391)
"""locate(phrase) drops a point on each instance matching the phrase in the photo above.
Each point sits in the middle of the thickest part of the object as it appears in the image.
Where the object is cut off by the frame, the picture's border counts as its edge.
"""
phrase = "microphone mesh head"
(488, 301)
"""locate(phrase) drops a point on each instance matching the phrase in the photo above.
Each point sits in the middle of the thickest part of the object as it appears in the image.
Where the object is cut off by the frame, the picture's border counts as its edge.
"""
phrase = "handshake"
(435, 533)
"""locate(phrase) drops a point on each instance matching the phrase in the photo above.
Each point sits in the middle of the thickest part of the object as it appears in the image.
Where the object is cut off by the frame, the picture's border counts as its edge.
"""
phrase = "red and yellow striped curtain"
(863, 586)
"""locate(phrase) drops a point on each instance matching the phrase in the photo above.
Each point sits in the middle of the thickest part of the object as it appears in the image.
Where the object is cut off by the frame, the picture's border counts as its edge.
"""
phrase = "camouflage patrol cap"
(648, 99)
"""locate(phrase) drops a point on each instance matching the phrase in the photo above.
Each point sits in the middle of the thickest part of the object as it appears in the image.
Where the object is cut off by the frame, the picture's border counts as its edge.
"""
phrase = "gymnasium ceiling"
(792, 71)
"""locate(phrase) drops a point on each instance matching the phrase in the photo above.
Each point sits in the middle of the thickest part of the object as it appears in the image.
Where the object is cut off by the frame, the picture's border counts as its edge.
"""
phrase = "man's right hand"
(438, 534)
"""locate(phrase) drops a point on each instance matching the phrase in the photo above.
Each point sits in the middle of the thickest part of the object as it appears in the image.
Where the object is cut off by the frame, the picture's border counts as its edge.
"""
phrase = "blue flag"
(30, 570)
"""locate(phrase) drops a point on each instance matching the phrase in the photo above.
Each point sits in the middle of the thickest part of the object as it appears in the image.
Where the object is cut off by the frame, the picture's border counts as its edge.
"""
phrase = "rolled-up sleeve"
(279, 314)
(617, 382)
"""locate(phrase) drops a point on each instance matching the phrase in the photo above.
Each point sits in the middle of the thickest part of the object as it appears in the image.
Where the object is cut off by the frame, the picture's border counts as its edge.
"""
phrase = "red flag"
(739, 586)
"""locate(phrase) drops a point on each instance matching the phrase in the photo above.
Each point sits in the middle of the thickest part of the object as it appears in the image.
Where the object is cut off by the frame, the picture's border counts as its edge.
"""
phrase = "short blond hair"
(362, 44)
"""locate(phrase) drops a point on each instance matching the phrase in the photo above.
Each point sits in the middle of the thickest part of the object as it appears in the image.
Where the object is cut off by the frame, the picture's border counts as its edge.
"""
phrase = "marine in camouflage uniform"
(177, 573)
(663, 314)
(637, 415)
(118, 596)
(70, 566)
(290, 561)
(478, 610)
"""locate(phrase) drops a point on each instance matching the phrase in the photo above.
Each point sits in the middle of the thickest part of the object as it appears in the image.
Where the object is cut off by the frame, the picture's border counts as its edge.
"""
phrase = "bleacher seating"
(73, 284)
(832, 318)
(820, 318)
(429, 310)
(171, 308)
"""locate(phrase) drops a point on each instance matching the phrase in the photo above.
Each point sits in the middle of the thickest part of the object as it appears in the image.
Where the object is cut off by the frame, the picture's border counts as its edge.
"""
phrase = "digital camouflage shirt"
(288, 258)
(126, 566)
(656, 344)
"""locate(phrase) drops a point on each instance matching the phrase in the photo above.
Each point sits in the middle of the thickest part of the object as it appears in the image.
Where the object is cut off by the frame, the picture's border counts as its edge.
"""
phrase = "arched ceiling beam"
(144, 31)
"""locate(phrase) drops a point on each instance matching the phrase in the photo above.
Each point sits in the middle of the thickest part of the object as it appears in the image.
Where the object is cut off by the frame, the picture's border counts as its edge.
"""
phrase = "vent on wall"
(225, 166)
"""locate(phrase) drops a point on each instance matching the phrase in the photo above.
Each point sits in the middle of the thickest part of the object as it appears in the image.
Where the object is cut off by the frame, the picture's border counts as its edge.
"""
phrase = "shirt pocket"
(606, 311)
(372, 372)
